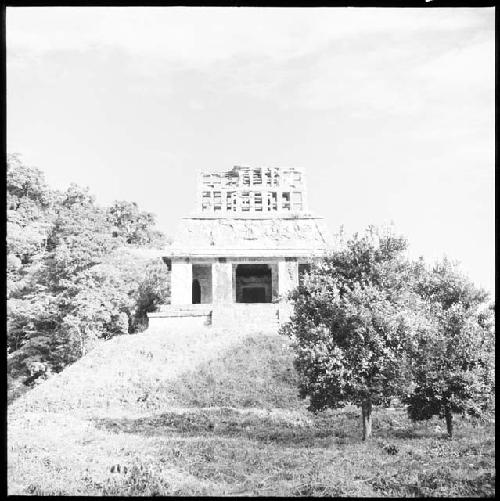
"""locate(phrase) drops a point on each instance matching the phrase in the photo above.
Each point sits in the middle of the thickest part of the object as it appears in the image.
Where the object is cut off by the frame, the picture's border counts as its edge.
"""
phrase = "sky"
(390, 112)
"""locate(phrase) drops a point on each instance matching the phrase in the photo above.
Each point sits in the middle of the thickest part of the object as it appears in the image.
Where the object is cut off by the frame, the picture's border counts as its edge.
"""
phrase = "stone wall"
(181, 282)
(259, 316)
(173, 317)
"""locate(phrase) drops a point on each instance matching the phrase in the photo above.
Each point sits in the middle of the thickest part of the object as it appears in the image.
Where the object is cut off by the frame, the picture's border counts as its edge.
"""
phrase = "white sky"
(389, 111)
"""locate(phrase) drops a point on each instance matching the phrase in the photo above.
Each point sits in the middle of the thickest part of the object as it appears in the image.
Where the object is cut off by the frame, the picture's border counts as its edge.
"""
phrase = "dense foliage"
(72, 275)
(348, 326)
(369, 325)
(453, 364)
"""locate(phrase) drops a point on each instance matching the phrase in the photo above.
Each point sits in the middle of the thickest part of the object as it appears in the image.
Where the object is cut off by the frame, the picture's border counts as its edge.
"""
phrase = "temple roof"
(251, 212)
(254, 237)
(251, 191)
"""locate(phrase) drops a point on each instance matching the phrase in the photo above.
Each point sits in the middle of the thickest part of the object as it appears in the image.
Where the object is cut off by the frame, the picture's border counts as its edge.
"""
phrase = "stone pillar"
(274, 280)
(288, 278)
(234, 283)
(222, 282)
(181, 282)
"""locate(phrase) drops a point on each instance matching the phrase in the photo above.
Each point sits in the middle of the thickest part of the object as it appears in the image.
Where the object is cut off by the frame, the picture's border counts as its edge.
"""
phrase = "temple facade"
(247, 244)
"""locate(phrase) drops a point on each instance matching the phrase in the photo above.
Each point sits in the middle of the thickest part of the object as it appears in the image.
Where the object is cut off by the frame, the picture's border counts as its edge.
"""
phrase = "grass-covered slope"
(207, 412)
(154, 370)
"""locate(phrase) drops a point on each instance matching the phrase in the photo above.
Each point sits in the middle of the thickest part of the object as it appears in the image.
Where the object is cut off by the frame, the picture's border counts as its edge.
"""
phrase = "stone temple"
(244, 248)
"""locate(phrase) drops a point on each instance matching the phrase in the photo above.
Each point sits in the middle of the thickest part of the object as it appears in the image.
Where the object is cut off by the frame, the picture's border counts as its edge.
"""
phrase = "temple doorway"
(253, 283)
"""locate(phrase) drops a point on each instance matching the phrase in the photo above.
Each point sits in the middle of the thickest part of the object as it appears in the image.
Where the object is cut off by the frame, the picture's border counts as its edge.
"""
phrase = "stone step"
(182, 307)
(235, 316)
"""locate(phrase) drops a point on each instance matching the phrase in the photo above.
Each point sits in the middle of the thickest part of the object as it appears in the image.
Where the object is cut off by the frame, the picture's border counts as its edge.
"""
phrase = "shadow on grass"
(236, 423)
(255, 372)
(227, 396)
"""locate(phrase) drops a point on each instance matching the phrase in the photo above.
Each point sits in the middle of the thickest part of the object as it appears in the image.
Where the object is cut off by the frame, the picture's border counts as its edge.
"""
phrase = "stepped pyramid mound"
(158, 369)
(143, 395)
(246, 245)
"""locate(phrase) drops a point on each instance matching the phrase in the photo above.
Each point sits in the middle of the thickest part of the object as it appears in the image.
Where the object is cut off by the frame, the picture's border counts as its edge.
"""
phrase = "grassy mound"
(209, 412)
(153, 371)
(257, 372)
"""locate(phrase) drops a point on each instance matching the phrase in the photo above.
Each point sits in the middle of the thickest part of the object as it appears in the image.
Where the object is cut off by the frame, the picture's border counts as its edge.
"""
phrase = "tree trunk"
(366, 417)
(449, 422)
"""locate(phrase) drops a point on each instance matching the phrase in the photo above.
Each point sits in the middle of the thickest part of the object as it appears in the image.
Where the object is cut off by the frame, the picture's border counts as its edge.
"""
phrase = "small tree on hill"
(453, 363)
(352, 316)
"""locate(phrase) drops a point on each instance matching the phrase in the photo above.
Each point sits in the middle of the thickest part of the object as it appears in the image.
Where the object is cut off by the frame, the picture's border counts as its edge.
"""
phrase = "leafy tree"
(352, 316)
(135, 227)
(453, 363)
(80, 236)
(70, 281)
(31, 323)
(29, 217)
(25, 183)
(107, 299)
(153, 289)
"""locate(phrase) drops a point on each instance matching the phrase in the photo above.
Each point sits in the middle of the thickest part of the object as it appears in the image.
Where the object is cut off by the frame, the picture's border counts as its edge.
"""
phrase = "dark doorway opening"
(196, 289)
(253, 283)
(254, 294)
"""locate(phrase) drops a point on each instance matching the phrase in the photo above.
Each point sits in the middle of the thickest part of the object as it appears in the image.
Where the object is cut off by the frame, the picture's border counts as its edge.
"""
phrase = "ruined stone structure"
(247, 244)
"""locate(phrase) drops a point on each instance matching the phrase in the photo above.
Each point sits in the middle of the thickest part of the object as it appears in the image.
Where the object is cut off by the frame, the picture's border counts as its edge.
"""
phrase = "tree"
(153, 289)
(351, 319)
(30, 213)
(453, 363)
(69, 280)
(25, 183)
(135, 227)
(80, 236)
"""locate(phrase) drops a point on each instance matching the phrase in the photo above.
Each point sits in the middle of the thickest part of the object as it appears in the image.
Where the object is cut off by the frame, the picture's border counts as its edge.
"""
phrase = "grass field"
(216, 413)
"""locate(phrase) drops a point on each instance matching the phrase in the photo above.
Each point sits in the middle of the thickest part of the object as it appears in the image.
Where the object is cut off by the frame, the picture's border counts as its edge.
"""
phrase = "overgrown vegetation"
(71, 279)
(369, 326)
(216, 413)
